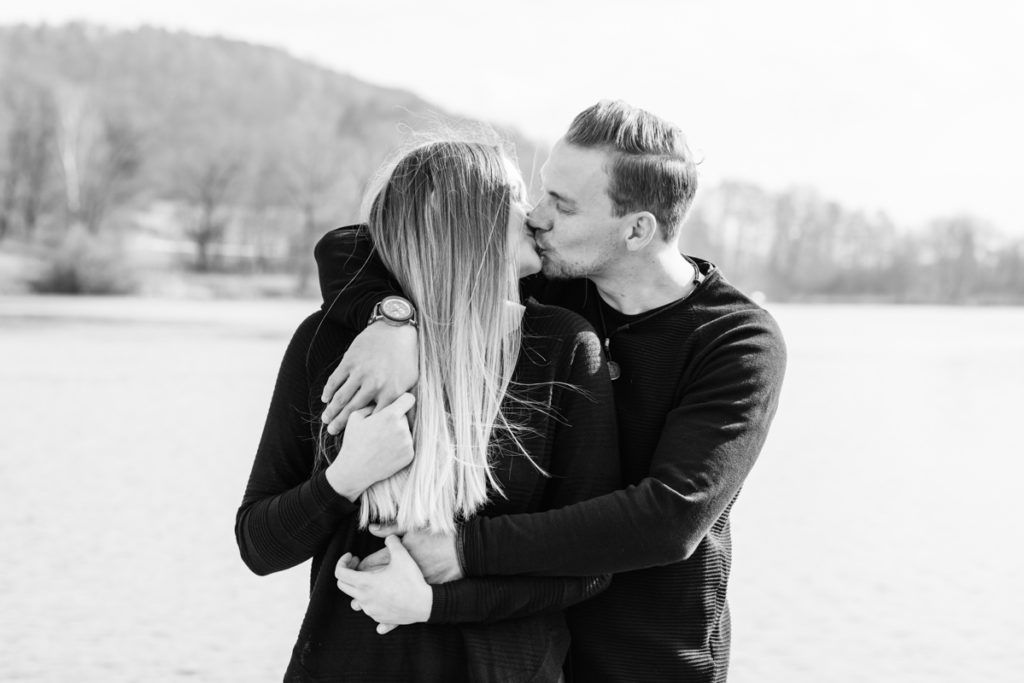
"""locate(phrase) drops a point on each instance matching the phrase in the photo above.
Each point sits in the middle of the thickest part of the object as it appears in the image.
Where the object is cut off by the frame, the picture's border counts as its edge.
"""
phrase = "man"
(698, 369)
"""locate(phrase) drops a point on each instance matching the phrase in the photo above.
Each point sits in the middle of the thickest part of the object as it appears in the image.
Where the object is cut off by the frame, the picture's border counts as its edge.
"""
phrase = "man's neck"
(647, 281)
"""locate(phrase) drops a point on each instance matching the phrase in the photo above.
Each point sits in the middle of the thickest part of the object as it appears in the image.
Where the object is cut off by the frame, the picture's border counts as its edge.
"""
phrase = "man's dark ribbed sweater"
(699, 387)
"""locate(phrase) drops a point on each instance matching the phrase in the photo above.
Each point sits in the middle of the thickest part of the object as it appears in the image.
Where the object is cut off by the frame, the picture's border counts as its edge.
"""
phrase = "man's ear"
(641, 229)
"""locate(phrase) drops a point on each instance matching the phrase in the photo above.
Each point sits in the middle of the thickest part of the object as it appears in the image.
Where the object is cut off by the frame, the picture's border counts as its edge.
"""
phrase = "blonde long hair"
(438, 218)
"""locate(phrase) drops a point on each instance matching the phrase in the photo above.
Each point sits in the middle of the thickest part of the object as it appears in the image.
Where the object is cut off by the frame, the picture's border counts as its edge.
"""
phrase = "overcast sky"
(909, 106)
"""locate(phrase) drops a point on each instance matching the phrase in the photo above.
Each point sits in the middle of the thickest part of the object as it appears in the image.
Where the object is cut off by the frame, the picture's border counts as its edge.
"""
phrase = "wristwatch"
(394, 310)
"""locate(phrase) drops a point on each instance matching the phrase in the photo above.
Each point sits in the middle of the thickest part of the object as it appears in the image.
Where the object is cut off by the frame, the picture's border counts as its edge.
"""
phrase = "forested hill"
(99, 127)
(186, 93)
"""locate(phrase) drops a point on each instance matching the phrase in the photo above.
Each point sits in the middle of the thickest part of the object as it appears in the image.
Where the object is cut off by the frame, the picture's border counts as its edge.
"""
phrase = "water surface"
(875, 540)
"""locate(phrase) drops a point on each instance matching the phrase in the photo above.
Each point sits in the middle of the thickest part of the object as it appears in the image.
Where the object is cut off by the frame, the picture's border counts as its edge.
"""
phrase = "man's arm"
(707, 447)
(497, 599)
(352, 276)
(395, 593)
(584, 463)
(381, 362)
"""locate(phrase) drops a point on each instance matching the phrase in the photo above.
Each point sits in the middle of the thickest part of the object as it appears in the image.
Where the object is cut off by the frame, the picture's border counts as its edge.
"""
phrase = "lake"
(873, 540)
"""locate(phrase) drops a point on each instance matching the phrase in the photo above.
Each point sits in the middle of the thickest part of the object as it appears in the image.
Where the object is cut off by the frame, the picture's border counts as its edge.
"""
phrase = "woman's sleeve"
(584, 464)
(352, 276)
(287, 513)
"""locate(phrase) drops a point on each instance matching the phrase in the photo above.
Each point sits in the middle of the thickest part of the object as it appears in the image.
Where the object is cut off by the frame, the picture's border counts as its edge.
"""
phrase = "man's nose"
(535, 220)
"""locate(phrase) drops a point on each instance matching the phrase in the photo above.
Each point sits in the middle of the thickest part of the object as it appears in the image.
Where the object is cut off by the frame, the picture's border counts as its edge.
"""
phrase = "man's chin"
(555, 271)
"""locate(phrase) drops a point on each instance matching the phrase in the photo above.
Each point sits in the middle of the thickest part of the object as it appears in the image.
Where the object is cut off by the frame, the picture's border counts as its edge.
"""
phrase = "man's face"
(576, 230)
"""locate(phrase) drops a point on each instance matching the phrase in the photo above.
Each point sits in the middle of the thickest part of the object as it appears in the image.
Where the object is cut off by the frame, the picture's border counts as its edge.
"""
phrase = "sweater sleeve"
(707, 446)
(287, 512)
(352, 276)
(486, 600)
(584, 463)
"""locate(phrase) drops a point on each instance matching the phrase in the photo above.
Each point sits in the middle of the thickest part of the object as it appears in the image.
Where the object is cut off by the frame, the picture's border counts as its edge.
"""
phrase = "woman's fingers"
(361, 398)
(400, 406)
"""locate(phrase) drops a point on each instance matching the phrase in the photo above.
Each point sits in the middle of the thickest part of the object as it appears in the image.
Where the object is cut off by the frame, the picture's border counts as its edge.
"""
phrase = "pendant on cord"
(613, 370)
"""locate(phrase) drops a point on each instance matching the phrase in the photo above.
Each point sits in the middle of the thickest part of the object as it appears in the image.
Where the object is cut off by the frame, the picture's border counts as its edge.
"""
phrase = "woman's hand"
(374, 447)
(392, 595)
(435, 554)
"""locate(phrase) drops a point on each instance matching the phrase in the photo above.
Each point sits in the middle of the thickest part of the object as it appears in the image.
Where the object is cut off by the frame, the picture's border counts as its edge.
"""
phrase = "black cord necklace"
(614, 369)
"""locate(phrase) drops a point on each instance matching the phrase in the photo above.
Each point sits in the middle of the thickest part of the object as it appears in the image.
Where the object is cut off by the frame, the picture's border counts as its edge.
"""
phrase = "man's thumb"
(383, 530)
(394, 545)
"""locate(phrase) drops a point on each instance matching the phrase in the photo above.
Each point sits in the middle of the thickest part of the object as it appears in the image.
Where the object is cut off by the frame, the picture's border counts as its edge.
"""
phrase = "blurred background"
(164, 175)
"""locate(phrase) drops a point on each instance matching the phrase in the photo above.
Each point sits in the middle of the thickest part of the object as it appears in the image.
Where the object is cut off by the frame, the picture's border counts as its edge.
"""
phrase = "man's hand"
(350, 561)
(435, 554)
(374, 448)
(380, 364)
(393, 594)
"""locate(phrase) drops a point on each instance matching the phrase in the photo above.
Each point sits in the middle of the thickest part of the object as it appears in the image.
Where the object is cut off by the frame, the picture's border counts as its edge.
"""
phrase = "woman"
(513, 414)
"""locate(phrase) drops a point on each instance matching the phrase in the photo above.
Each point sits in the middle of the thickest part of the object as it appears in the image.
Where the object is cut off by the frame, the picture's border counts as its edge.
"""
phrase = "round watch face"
(396, 309)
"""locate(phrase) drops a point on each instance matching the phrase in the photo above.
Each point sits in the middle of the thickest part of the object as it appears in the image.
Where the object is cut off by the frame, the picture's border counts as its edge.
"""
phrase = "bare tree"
(1010, 270)
(745, 224)
(267, 207)
(954, 244)
(27, 146)
(207, 184)
(113, 162)
(100, 156)
(321, 175)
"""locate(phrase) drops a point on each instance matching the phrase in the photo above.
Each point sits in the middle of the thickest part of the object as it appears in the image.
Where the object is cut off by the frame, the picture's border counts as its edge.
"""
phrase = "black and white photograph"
(561, 342)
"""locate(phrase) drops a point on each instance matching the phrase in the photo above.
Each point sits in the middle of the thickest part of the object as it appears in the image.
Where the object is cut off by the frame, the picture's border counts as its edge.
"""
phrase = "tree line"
(244, 156)
(797, 245)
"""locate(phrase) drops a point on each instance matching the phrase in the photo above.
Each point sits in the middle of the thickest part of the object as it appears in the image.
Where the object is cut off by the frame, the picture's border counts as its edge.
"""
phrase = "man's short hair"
(652, 167)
